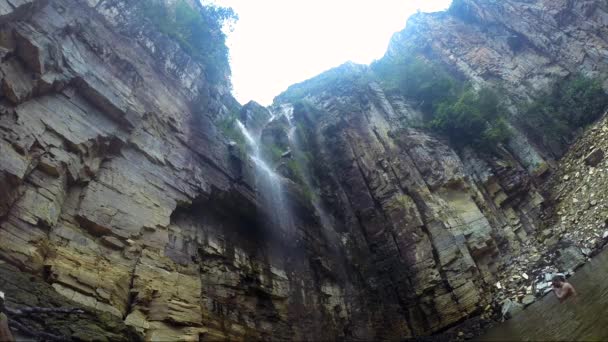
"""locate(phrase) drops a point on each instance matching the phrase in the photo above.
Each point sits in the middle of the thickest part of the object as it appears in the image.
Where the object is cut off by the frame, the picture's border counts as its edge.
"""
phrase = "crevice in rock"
(421, 208)
(377, 204)
(378, 207)
(132, 296)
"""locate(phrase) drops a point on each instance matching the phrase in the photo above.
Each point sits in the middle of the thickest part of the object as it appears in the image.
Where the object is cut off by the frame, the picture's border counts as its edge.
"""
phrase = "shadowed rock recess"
(121, 194)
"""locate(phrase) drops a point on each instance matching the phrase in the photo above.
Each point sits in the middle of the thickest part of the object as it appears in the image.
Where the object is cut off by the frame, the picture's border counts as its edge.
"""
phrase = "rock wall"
(429, 229)
(439, 231)
(520, 45)
(119, 194)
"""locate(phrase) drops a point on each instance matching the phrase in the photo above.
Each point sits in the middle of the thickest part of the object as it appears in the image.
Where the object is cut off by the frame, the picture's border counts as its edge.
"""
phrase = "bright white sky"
(277, 43)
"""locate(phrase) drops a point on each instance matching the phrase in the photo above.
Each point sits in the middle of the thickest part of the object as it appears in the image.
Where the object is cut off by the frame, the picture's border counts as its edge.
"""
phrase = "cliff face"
(521, 45)
(119, 194)
(434, 228)
(429, 229)
(118, 189)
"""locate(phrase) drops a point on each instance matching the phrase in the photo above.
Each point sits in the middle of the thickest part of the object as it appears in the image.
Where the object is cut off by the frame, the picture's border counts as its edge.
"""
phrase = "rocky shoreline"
(508, 301)
(559, 248)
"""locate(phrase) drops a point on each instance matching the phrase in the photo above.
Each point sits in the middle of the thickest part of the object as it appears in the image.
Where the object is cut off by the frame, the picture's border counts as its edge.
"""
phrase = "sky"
(276, 43)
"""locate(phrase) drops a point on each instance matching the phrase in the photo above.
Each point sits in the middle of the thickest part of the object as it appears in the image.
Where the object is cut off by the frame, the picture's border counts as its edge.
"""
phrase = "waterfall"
(268, 183)
(303, 165)
(253, 145)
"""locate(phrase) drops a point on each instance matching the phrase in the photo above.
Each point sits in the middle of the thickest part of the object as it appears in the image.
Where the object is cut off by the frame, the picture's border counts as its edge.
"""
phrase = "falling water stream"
(268, 183)
(303, 166)
(584, 318)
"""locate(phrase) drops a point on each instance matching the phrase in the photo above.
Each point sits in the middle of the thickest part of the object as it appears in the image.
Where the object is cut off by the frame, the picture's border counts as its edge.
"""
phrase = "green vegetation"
(295, 166)
(197, 30)
(301, 160)
(418, 79)
(475, 118)
(294, 169)
(570, 104)
(451, 107)
(228, 126)
(272, 152)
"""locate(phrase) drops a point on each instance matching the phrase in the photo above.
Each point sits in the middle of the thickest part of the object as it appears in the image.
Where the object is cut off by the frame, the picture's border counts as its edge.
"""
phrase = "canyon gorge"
(135, 187)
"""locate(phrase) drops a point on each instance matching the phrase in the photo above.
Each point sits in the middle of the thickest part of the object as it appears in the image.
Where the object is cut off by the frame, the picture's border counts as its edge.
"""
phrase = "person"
(562, 288)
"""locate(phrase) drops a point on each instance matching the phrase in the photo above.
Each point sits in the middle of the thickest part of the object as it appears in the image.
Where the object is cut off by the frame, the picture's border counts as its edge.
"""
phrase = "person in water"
(5, 331)
(562, 288)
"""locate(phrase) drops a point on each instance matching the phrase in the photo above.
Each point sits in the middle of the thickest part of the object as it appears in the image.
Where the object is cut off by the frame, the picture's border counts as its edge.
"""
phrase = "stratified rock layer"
(118, 189)
(119, 194)
(429, 228)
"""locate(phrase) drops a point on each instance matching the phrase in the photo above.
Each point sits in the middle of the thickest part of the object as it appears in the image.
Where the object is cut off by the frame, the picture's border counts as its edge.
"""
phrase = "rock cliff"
(430, 229)
(120, 192)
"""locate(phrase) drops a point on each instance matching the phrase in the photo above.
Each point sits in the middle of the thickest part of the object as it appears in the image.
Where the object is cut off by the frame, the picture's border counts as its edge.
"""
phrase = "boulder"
(570, 258)
(510, 308)
(286, 154)
(528, 299)
(595, 157)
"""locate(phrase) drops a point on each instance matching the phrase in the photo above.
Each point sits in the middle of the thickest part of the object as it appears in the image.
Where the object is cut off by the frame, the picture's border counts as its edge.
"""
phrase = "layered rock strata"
(118, 189)
(119, 194)
(430, 229)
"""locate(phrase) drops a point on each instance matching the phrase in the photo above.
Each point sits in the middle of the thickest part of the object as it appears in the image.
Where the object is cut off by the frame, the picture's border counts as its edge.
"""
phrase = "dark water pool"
(584, 318)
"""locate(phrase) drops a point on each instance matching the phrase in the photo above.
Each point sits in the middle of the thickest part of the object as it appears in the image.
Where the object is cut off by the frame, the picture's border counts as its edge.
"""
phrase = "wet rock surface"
(576, 230)
(119, 193)
(481, 228)
(574, 319)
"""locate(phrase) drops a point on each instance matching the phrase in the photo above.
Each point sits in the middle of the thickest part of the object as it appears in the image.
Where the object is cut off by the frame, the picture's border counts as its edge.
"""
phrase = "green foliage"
(570, 104)
(228, 126)
(451, 107)
(197, 30)
(308, 193)
(294, 169)
(272, 152)
(295, 166)
(475, 119)
(428, 84)
(344, 79)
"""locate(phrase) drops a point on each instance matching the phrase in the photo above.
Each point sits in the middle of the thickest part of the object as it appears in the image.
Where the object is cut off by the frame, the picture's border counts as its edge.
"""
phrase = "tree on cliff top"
(197, 30)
